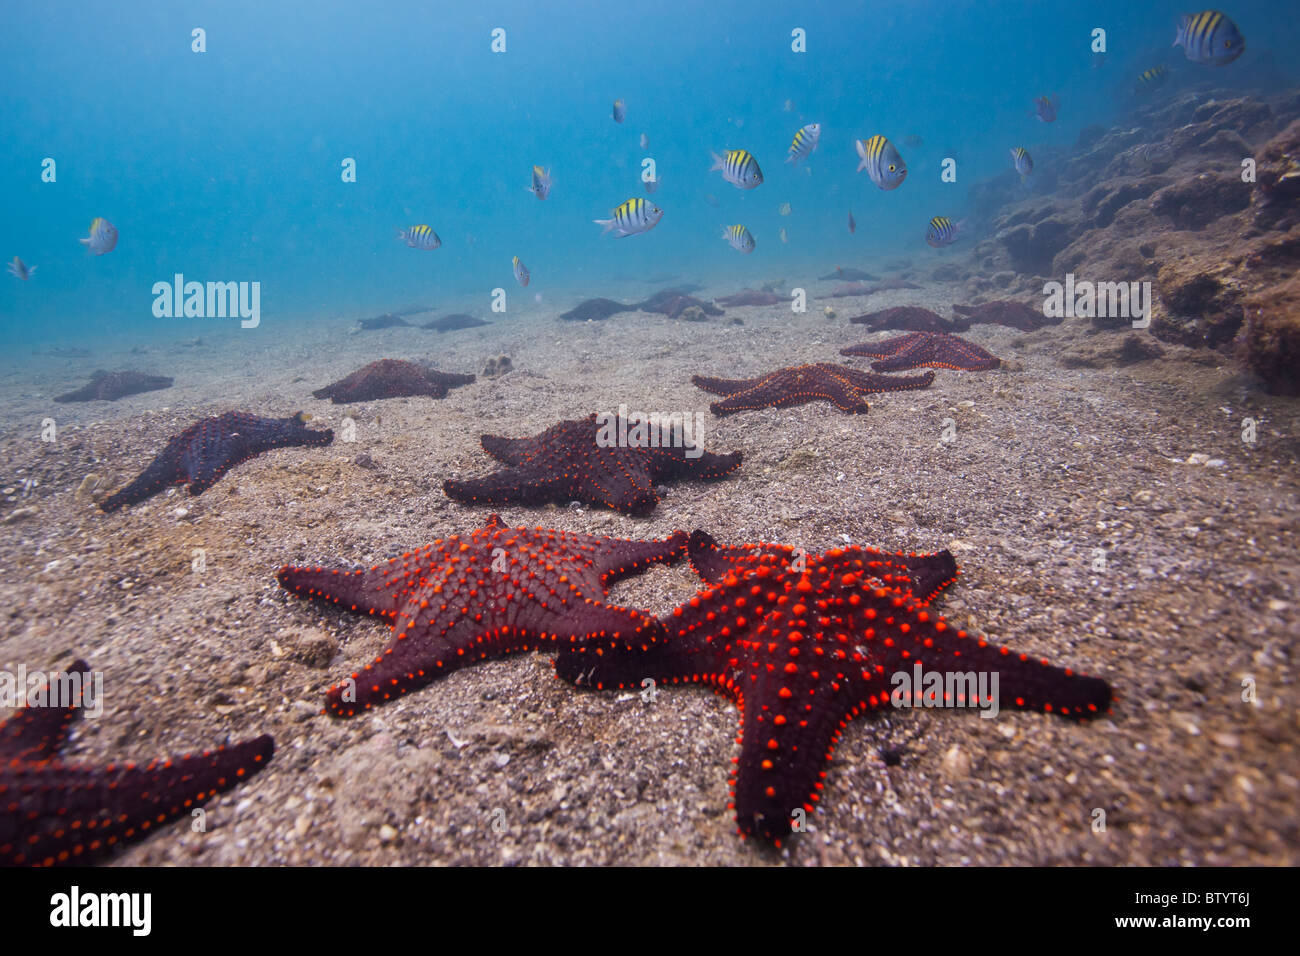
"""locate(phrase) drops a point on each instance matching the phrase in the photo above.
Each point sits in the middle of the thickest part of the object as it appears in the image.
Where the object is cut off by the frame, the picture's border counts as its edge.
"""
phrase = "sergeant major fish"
(631, 217)
(102, 238)
(620, 111)
(881, 161)
(805, 141)
(541, 187)
(942, 232)
(1023, 162)
(1045, 108)
(521, 271)
(740, 238)
(739, 168)
(420, 237)
(1210, 37)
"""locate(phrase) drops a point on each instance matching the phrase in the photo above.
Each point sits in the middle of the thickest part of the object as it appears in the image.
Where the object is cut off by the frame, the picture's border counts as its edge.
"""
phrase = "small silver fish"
(522, 274)
(20, 269)
(102, 238)
(784, 237)
(805, 141)
(620, 111)
(739, 168)
(740, 238)
(645, 141)
(632, 216)
(420, 237)
(541, 187)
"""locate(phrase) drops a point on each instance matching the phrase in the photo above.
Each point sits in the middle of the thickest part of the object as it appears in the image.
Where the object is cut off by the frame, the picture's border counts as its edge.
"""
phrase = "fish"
(881, 161)
(20, 269)
(1045, 107)
(631, 217)
(942, 232)
(1210, 37)
(541, 187)
(784, 237)
(420, 237)
(102, 238)
(741, 239)
(652, 184)
(620, 111)
(853, 226)
(784, 209)
(1023, 162)
(805, 141)
(645, 141)
(1152, 78)
(739, 168)
(913, 141)
(521, 271)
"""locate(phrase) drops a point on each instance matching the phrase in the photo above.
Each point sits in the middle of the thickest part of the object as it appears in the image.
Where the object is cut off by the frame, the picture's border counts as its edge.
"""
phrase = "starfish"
(751, 297)
(211, 447)
(933, 349)
(673, 302)
(496, 591)
(1016, 315)
(924, 575)
(606, 464)
(457, 320)
(846, 388)
(53, 812)
(849, 274)
(595, 310)
(391, 378)
(909, 318)
(388, 320)
(803, 654)
(861, 288)
(110, 386)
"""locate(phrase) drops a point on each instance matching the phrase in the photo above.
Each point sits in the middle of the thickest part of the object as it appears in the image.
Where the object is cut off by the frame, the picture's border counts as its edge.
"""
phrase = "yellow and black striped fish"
(631, 217)
(1210, 37)
(1153, 77)
(805, 141)
(942, 232)
(420, 237)
(739, 168)
(1023, 162)
(522, 274)
(881, 161)
(740, 238)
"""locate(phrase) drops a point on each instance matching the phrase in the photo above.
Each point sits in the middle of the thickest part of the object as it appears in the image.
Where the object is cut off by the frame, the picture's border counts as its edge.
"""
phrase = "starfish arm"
(666, 463)
(513, 485)
(886, 348)
(617, 558)
(164, 470)
(373, 590)
(711, 561)
(887, 383)
(37, 733)
(512, 451)
(725, 386)
(60, 813)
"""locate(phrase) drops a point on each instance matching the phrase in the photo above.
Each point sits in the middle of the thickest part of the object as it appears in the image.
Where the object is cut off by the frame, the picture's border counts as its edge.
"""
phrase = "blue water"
(225, 165)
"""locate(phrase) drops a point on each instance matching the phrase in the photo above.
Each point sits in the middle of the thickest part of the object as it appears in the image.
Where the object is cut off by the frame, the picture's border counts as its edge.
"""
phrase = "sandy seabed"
(1049, 469)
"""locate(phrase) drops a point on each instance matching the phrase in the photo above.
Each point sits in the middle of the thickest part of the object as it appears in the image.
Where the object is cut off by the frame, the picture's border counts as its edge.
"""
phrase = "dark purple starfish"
(110, 386)
(212, 446)
(391, 378)
(53, 812)
(803, 654)
(493, 592)
(844, 387)
(932, 349)
(615, 464)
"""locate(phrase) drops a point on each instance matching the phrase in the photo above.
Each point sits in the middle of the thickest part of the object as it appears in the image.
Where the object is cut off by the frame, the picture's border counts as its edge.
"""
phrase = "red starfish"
(935, 349)
(805, 653)
(845, 388)
(53, 812)
(391, 378)
(578, 460)
(494, 592)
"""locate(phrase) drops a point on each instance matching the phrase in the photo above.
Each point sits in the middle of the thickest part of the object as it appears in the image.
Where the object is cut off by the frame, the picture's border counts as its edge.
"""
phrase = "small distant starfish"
(805, 652)
(391, 378)
(210, 447)
(576, 460)
(844, 387)
(933, 349)
(110, 386)
(493, 592)
(52, 812)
